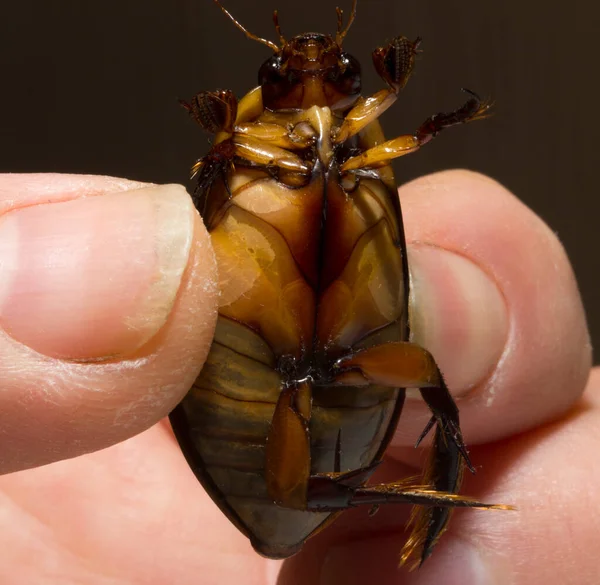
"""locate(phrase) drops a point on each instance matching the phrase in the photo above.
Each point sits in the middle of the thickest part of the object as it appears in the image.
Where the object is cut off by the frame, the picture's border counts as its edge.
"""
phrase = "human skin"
(108, 296)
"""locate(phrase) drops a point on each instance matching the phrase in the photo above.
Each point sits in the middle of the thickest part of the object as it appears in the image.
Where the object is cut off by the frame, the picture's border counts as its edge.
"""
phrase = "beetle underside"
(304, 383)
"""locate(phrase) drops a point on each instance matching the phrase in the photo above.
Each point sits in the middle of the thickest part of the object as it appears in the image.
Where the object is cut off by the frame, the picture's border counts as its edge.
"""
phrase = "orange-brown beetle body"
(304, 384)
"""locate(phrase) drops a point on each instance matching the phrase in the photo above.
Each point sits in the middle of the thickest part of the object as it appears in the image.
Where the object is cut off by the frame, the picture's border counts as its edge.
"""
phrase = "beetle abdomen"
(306, 275)
(228, 413)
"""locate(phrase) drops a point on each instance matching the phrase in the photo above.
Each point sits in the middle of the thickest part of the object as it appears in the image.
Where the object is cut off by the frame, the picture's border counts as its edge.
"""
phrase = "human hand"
(108, 308)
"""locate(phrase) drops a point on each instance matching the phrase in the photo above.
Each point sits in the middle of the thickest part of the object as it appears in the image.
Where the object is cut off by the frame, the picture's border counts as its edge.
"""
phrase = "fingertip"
(94, 277)
(546, 356)
(150, 326)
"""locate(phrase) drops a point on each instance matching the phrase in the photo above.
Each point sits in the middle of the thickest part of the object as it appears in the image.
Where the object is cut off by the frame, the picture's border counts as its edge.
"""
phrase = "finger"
(496, 302)
(133, 511)
(550, 538)
(107, 309)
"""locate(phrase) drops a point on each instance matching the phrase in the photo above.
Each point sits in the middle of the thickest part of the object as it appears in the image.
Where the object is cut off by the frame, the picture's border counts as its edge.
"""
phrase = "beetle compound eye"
(278, 84)
(270, 71)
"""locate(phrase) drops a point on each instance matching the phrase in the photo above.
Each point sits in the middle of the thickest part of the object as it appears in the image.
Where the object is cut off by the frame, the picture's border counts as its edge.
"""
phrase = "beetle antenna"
(251, 36)
(341, 34)
(340, 23)
(278, 28)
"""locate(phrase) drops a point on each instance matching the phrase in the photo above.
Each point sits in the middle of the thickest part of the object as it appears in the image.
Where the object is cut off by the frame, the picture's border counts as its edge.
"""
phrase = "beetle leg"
(276, 135)
(473, 109)
(214, 166)
(250, 106)
(394, 63)
(287, 468)
(406, 365)
(363, 113)
(215, 111)
(381, 154)
(331, 492)
(339, 491)
(265, 154)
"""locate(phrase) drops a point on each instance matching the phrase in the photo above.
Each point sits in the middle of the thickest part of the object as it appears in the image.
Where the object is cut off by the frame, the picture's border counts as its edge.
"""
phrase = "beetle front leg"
(394, 63)
(214, 111)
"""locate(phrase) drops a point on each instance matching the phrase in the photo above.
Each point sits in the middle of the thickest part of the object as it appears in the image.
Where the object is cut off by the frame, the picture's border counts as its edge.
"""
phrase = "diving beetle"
(305, 380)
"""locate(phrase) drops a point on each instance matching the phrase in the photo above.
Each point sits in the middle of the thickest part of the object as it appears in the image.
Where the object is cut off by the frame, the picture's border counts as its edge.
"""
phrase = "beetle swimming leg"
(339, 491)
(407, 365)
(331, 492)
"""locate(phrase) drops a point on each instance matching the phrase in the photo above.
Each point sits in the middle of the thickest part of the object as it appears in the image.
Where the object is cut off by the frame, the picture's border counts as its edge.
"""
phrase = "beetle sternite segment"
(304, 383)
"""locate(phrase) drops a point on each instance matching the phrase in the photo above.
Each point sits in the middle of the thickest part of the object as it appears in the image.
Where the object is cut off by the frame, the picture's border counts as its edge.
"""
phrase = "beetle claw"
(426, 430)
(451, 429)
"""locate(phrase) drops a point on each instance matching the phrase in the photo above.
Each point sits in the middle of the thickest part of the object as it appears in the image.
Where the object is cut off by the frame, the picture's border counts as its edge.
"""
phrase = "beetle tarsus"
(214, 111)
(396, 61)
(473, 109)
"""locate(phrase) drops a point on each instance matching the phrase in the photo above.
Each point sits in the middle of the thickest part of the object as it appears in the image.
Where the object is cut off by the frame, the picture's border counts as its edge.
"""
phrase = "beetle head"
(308, 70)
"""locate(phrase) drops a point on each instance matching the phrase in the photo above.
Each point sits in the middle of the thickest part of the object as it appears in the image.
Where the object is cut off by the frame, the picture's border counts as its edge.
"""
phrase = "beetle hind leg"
(406, 365)
(342, 490)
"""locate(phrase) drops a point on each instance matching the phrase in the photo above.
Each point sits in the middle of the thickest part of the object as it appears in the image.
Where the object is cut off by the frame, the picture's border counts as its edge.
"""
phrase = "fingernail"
(94, 277)
(458, 314)
(376, 561)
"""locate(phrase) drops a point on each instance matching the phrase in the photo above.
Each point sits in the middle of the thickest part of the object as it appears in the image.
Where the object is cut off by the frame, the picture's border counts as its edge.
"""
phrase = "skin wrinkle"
(35, 188)
(488, 386)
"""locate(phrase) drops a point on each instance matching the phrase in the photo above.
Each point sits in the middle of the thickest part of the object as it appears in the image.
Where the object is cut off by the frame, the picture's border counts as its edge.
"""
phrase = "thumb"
(107, 309)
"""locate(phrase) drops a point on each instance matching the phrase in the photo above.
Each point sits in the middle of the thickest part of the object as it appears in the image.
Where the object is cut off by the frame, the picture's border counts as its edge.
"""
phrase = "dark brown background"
(92, 87)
